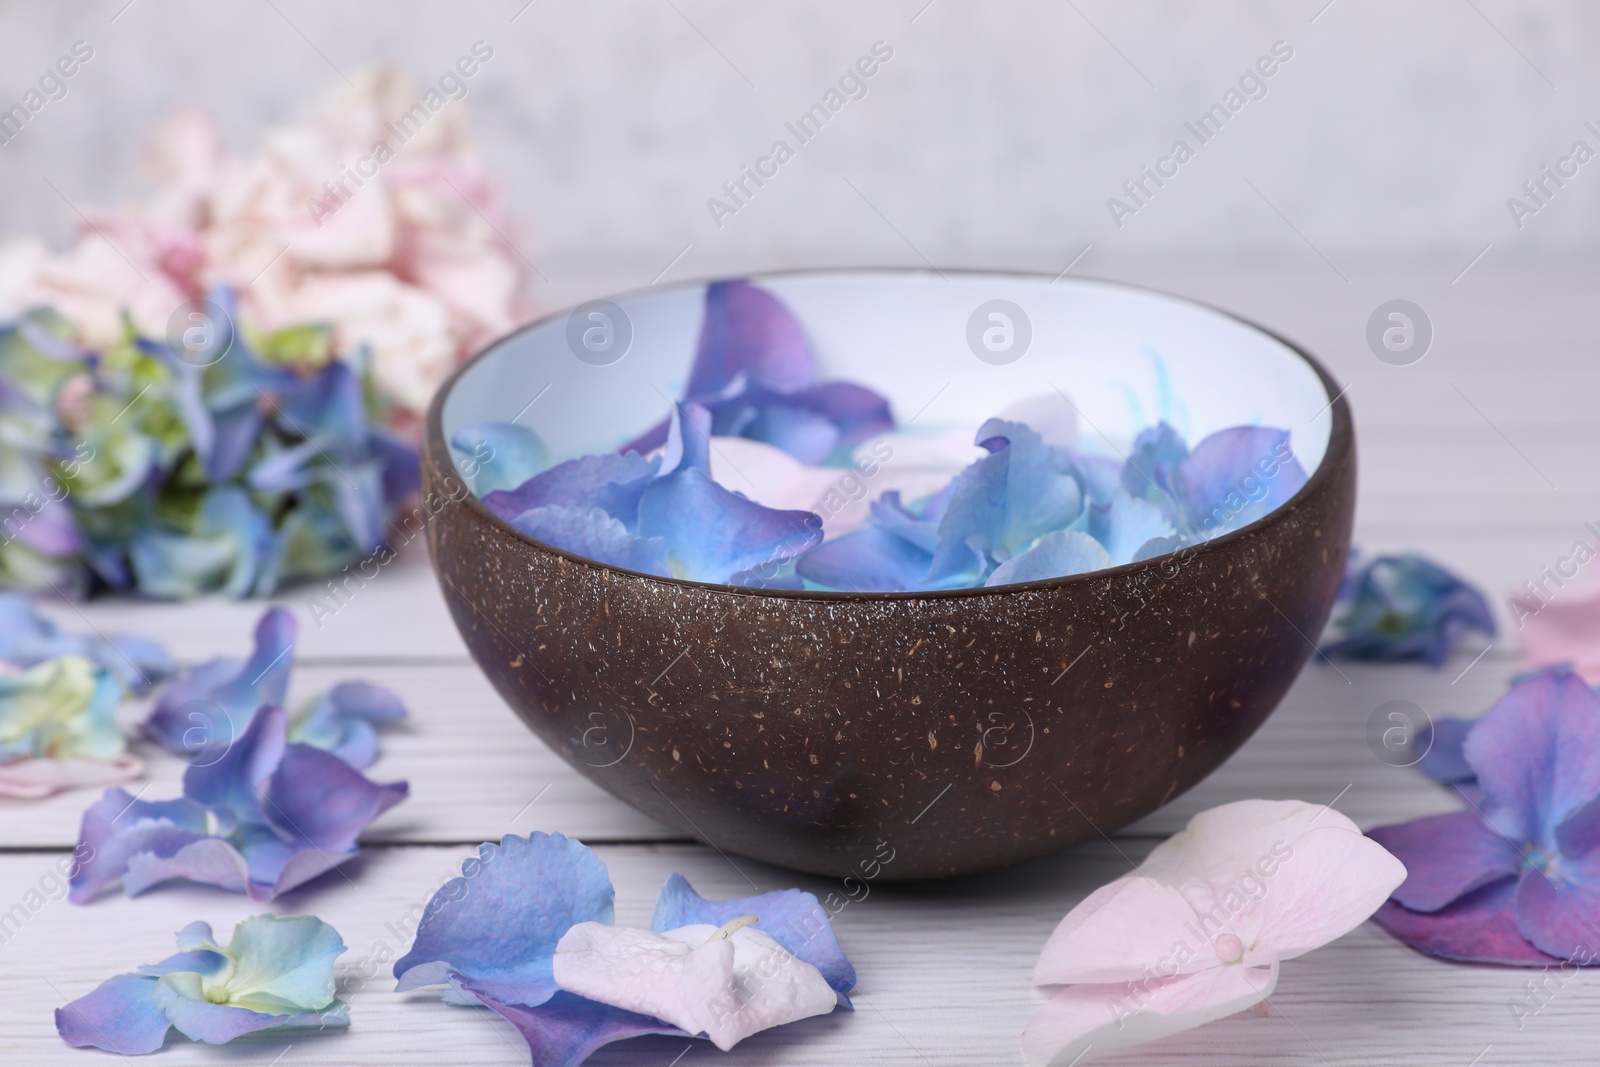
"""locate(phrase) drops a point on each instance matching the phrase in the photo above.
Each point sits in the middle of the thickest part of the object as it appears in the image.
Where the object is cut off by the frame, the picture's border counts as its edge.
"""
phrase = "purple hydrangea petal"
(1236, 476)
(203, 712)
(503, 454)
(121, 1015)
(183, 1002)
(688, 444)
(118, 827)
(792, 917)
(1446, 857)
(197, 960)
(712, 534)
(612, 482)
(1537, 754)
(539, 887)
(320, 804)
(1556, 909)
(343, 721)
(205, 860)
(805, 435)
(749, 331)
(1441, 744)
(52, 530)
(1005, 501)
(855, 412)
(869, 560)
(327, 405)
(235, 781)
(567, 1029)
(1406, 608)
(593, 534)
(1478, 928)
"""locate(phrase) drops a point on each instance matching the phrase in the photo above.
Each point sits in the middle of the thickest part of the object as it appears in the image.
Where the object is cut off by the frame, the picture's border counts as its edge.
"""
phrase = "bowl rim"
(1341, 437)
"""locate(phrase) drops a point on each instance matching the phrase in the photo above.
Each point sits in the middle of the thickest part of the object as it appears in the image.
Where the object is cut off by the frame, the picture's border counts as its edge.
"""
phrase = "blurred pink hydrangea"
(374, 213)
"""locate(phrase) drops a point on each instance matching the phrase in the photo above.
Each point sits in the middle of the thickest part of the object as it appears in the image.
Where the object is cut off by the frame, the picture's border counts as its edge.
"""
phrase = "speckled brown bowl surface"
(903, 736)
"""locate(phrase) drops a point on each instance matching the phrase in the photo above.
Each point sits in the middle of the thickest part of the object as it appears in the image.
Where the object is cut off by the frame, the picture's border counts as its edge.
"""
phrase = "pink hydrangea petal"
(1106, 1018)
(1331, 882)
(35, 778)
(1561, 631)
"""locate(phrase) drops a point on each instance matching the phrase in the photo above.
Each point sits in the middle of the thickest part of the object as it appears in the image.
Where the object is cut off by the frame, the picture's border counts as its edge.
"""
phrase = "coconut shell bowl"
(902, 735)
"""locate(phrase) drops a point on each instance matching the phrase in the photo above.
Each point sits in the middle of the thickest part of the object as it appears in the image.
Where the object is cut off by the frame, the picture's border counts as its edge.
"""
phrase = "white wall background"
(993, 137)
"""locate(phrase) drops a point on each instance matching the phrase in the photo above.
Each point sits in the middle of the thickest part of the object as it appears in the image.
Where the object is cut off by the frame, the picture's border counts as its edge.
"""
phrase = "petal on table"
(121, 1015)
(1123, 932)
(1447, 857)
(1442, 745)
(343, 721)
(1106, 1018)
(566, 1030)
(284, 963)
(1537, 754)
(699, 978)
(1556, 910)
(1332, 882)
(204, 860)
(182, 1000)
(31, 779)
(1480, 927)
(792, 917)
(1054, 555)
(593, 534)
(118, 827)
(237, 780)
(539, 887)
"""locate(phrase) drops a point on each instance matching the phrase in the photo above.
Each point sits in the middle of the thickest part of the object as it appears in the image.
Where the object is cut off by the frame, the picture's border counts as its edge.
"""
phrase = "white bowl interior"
(1126, 358)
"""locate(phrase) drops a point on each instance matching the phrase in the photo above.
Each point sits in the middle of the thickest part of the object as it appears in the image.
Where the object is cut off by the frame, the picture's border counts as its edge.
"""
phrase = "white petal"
(724, 987)
(1090, 1021)
(1123, 932)
(1333, 882)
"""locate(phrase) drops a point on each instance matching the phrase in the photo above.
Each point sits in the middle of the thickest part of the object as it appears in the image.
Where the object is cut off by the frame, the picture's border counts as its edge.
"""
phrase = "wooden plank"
(944, 976)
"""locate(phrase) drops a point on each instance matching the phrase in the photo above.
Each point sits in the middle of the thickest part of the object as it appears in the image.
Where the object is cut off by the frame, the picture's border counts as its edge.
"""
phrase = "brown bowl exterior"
(898, 736)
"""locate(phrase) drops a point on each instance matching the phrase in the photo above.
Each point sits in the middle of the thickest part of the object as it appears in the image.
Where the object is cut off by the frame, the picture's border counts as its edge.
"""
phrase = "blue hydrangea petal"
(805, 435)
(1406, 608)
(344, 719)
(1479, 928)
(535, 888)
(1149, 470)
(1235, 476)
(1100, 476)
(612, 482)
(854, 412)
(121, 1015)
(593, 534)
(792, 917)
(203, 961)
(118, 827)
(1005, 501)
(328, 405)
(567, 1029)
(1054, 556)
(503, 454)
(1128, 524)
(688, 444)
(1447, 857)
(747, 330)
(1443, 757)
(712, 533)
(229, 551)
(206, 710)
(1537, 755)
(920, 527)
(869, 560)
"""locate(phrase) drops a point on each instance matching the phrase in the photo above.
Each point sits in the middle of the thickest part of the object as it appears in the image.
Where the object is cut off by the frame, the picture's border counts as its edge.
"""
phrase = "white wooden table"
(1482, 455)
